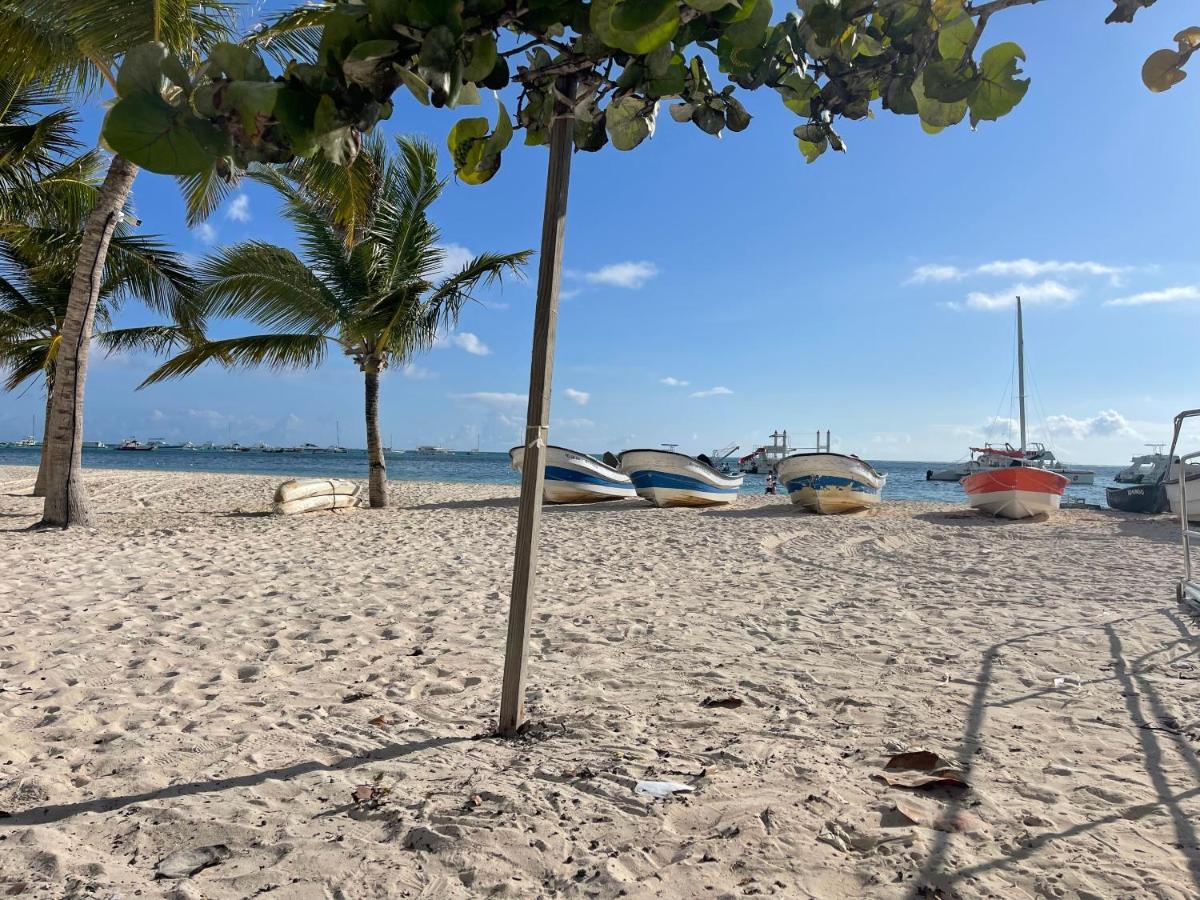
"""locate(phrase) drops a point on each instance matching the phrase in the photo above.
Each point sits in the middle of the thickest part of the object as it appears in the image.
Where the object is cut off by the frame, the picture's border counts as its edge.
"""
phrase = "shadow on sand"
(46, 814)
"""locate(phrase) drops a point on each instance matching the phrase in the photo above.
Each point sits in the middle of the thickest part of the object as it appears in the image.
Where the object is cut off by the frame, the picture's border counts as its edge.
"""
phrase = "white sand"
(193, 674)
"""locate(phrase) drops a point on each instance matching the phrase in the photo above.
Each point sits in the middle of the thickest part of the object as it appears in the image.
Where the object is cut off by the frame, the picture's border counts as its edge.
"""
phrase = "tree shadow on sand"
(1149, 718)
(47, 814)
(481, 503)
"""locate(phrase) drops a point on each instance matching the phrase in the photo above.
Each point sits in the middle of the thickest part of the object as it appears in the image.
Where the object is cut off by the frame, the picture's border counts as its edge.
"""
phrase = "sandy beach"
(315, 693)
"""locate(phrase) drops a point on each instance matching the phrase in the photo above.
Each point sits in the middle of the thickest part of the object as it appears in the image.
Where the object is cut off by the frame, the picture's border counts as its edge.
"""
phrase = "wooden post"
(537, 420)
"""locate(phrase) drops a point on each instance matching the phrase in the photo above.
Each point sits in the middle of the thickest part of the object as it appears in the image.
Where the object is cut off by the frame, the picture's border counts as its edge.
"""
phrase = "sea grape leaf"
(237, 63)
(749, 32)
(252, 100)
(813, 150)
(361, 62)
(936, 112)
(999, 88)
(947, 81)
(635, 26)
(1163, 70)
(955, 36)
(483, 58)
(415, 84)
(152, 133)
(627, 123)
(707, 5)
(141, 69)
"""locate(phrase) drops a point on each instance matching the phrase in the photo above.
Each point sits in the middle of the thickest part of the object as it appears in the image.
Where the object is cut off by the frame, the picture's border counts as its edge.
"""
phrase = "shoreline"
(195, 673)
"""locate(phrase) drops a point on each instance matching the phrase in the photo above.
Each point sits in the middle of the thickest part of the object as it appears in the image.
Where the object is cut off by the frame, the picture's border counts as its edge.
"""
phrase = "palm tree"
(77, 45)
(36, 262)
(368, 287)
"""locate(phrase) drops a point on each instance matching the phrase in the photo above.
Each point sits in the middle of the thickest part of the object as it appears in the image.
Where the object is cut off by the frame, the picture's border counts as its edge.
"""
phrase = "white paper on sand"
(661, 789)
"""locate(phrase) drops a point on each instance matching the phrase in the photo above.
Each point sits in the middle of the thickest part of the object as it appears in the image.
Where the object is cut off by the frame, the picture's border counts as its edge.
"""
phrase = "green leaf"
(955, 36)
(708, 5)
(361, 62)
(415, 84)
(681, 112)
(254, 102)
(798, 92)
(141, 69)
(438, 49)
(295, 111)
(466, 141)
(237, 63)
(999, 89)
(627, 122)
(750, 31)
(483, 58)
(151, 133)
(948, 81)
(333, 137)
(736, 116)
(935, 112)
(635, 26)
(811, 151)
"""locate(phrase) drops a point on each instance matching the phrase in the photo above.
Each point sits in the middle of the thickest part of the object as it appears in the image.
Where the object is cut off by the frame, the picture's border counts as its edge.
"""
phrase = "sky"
(717, 290)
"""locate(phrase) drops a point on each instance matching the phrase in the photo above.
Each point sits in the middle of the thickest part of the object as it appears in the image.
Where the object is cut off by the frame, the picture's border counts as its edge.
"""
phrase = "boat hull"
(831, 482)
(1140, 498)
(1018, 492)
(1171, 489)
(574, 477)
(674, 479)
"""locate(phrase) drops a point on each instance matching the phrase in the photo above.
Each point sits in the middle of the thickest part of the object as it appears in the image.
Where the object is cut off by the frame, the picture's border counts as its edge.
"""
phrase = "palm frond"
(144, 267)
(205, 191)
(156, 339)
(276, 351)
(268, 285)
(294, 35)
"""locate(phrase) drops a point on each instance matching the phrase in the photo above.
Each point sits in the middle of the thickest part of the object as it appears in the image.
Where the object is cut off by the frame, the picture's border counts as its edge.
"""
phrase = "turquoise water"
(906, 480)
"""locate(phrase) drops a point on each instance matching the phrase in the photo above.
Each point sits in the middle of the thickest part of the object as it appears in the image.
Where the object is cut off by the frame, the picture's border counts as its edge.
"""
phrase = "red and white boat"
(1021, 489)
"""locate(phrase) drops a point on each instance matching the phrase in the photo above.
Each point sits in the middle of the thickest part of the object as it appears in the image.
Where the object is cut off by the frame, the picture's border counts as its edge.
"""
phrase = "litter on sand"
(660, 790)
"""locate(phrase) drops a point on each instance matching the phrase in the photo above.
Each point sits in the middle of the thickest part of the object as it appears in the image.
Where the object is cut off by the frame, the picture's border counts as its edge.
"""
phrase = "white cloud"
(673, 382)
(464, 340)
(631, 275)
(569, 294)
(205, 233)
(580, 397)
(923, 274)
(1166, 295)
(454, 257)
(1106, 423)
(717, 391)
(494, 398)
(573, 423)
(239, 209)
(1033, 268)
(891, 438)
(417, 373)
(1042, 292)
(1017, 268)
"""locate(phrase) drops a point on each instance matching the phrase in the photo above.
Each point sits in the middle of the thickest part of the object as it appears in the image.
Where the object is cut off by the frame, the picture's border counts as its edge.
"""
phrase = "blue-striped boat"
(675, 479)
(830, 482)
(574, 477)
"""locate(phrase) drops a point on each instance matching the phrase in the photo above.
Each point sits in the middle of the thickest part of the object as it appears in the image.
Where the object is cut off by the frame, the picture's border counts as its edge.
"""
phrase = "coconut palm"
(77, 45)
(369, 288)
(36, 263)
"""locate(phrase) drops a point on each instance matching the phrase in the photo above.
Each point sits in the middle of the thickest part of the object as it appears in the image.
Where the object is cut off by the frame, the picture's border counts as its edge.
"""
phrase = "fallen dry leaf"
(722, 702)
(380, 720)
(920, 760)
(938, 778)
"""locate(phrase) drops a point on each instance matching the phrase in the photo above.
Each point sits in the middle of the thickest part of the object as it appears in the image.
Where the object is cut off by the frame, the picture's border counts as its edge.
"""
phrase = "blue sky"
(719, 289)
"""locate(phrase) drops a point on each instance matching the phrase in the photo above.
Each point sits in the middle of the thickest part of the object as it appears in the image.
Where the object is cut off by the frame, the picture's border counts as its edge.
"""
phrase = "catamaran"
(1022, 489)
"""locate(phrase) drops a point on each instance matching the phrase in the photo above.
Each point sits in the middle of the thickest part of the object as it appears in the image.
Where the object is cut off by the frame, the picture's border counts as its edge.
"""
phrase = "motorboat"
(667, 478)
(830, 482)
(1146, 468)
(575, 477)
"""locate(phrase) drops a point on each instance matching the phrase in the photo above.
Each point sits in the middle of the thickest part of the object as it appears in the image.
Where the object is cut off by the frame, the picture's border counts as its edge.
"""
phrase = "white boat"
(28, 442)
(1171, 485)
(574, 477)
(989, 457)
(1144, 469)
(667, 478)
(1025, 487)
(830, 482)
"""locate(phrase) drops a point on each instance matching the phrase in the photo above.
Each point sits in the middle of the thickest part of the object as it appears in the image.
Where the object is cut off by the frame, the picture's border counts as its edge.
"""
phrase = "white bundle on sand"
(308, 494)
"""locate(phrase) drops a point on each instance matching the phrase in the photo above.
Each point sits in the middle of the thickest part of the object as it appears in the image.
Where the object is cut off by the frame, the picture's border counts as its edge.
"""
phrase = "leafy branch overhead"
(828, 60)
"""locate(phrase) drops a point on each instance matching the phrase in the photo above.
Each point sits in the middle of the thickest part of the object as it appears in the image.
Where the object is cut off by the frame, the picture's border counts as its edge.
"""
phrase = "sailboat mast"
(1021, 372)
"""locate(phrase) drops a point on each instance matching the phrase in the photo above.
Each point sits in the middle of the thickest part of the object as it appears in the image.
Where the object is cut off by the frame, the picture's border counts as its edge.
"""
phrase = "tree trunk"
(66, 501)
(39, 486)
(377, 478)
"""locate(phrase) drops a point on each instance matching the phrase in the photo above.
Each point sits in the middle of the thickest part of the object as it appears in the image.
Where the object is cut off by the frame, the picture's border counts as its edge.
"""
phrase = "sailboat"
(1019, 490)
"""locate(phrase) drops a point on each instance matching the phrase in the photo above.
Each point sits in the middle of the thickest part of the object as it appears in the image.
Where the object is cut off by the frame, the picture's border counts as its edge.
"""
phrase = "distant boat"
(1144, 469)
(991, 457)
(28, 442)
(667, 478)
(1022, 489)
(186, 445)
(830, 482)
(574, 477)
(95, 445)
(426, 448)
(134, 444)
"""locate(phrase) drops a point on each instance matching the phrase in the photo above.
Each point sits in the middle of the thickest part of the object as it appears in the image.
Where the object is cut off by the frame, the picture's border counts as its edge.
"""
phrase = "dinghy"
(666, 478)
(574, 477)
(830, 482)
(301, 495)
(1140, 498)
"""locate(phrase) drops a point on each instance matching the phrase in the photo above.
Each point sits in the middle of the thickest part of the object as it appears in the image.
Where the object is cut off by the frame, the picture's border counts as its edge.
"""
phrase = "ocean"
(906, 480)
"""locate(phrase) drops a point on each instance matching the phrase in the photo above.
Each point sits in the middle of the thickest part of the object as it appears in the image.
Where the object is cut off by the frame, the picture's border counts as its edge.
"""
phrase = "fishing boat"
(134, 444)
(830, 482)
(667, 478)
(574, 477)
(992, 457)
(1146, 468)
(1170, 486)
(1022, 489)
(1138, 498)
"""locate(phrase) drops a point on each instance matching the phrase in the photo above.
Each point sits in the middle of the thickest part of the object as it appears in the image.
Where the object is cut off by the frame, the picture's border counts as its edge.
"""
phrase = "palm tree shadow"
(965, 518)
(782, 510)
(47, 814)
(481, 503)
